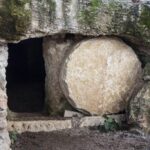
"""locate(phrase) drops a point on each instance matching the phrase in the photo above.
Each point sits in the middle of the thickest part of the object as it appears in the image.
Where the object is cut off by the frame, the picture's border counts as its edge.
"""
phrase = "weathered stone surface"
(91, 121)
(146, 75)
(3, 113)
(3, 65)
(69, 113)
(100, 75)
(54, 53)
(4, 140)
(39, 125)
(140, 108)
(33, 18)
(3, 123)
(4, 137)
(99, 120)
(53, 125)
(55, 49)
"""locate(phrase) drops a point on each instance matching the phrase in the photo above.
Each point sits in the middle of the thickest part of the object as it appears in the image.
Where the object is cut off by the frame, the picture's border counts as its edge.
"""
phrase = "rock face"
(100, 75)
(140, 108)
(4, 137)
(146, 72)
(54, 53)
(21, 19)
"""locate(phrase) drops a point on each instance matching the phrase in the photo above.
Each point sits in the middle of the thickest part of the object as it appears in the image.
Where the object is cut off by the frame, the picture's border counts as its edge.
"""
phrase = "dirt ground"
(81, 139)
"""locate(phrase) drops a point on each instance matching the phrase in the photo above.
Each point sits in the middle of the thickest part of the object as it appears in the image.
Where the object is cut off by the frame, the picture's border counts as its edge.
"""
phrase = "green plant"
(109, 125)
(13, 136)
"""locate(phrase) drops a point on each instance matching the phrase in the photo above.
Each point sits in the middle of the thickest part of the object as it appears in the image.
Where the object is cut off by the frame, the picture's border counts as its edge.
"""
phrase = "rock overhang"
(30, 18)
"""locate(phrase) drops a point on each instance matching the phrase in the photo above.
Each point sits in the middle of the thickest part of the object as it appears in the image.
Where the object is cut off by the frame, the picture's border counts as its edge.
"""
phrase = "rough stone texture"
(55, 49)
(46, 125)
(99, 75)
(54, 52)
(91, 121)
(38, 126)
(146, 75)
(4, 137)
(3, 123)
(140, 108)
(69, 113)
(4, 140)
(95, 121)
(33, 18)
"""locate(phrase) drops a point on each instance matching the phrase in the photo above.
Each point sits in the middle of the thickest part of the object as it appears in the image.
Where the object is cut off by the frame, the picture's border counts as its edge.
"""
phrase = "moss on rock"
(14, 19)
(140, 108)
(104, 17)
(144, 23)
(52, 5)
(88, 16)
(114, 17)
(145, 17)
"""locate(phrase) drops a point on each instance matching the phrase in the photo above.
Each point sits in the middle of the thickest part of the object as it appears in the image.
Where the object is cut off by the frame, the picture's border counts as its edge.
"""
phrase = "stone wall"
(58, 52)
(4, 137)
(55, 49)
(23, 19)
(34, 18)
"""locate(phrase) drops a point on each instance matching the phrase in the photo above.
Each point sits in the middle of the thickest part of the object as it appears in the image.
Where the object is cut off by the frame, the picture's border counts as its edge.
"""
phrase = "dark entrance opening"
(25, 76)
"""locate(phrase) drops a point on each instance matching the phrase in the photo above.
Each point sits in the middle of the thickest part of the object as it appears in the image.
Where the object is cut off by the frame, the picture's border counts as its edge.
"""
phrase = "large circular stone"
(99, 75)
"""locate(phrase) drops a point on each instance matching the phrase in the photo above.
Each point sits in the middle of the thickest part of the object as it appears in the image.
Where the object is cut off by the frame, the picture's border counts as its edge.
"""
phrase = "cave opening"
(25, 75)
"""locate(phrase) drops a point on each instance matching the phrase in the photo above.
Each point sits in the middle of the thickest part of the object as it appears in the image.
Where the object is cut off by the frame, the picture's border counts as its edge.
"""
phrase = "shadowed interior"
(25, 75)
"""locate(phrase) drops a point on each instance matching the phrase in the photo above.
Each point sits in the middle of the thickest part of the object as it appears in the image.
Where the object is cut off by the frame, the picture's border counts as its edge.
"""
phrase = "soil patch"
(81, 139)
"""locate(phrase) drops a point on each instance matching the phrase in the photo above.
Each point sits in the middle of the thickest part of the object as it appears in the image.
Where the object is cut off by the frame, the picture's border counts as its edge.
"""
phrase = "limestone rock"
(4, 136)
(146, 75)
(69, 113)
(3, 123)
(99, 75)
(4, 140)
(3, 113)
(39, 125)
(54, 51)
(140, 108)
(33, 18)
(94, 121)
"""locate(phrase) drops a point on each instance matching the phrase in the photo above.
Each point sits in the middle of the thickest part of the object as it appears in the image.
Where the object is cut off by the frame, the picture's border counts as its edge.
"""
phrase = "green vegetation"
(109, 125)
(13, 136)
(14, 19)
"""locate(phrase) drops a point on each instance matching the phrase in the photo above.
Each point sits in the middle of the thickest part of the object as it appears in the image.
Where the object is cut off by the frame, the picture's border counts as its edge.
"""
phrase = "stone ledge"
(39, 125)
(99, 120)
(53, 125)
